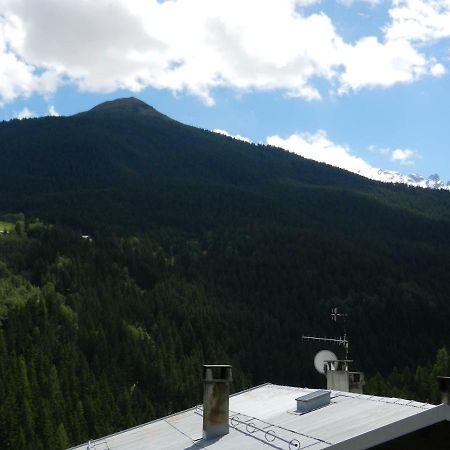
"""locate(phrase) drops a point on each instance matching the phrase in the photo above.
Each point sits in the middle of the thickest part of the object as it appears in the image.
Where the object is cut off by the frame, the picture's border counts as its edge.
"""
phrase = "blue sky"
(360, 84)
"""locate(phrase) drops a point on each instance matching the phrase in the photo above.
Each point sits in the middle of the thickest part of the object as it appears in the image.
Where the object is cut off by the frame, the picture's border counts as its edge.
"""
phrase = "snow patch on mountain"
(413, 179)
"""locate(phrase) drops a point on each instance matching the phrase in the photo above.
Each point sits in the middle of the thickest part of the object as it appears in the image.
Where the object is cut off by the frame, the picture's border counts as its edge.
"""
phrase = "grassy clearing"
(9, 227)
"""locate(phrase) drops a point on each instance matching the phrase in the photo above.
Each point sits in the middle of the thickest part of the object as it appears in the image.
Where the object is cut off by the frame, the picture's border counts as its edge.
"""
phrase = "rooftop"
(265, 417)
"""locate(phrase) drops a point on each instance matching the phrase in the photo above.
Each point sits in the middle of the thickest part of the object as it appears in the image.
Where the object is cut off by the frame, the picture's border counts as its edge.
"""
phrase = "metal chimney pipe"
(216, 398)
(444, 387)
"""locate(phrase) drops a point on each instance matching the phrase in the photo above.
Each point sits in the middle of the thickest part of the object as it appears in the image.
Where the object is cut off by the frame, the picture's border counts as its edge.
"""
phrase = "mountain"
(432, 182)
(134, 248)
(125, 168)
(130, 140)
(125, 156)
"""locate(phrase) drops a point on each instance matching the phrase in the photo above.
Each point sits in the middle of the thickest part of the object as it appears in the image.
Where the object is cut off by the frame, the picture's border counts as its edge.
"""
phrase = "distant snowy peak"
(432, 182)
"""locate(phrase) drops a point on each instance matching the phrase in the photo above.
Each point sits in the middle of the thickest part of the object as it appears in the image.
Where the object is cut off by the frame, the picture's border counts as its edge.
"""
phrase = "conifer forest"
(134, 249)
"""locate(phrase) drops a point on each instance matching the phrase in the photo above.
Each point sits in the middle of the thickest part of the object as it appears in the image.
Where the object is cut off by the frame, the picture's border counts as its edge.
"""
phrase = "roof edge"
(193, 408)
(394, 430)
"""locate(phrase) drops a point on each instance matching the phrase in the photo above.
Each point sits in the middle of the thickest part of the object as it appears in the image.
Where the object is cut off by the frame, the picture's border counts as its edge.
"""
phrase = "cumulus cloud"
(16, 76)
(235, 136)
(196, 46)
(403, 156)
(52, 111)
(372, 63)
(438, 70)
(419, 20)
(319, 147)
(25, 114)
(399, 56)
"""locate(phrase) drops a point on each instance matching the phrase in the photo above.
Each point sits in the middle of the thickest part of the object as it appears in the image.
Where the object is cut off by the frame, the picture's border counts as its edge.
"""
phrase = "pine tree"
(61, 439)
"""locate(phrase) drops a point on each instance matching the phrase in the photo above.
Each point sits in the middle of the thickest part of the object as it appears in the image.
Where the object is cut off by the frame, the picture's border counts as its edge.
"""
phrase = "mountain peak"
(130, 105)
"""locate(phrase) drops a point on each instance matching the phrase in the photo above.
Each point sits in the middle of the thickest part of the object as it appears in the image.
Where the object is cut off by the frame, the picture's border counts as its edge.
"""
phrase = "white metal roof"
(265, 418)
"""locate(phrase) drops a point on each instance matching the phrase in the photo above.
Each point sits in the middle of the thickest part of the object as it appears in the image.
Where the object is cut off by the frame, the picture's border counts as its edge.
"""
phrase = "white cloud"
(419, 20)
(235, 136)
(52, 111)
(399, 155)
(16, 76)
(399, 57)
(25, 114)
(403, 156)
(438, 70)
(197, 45)
(319, 147)
(372, 63)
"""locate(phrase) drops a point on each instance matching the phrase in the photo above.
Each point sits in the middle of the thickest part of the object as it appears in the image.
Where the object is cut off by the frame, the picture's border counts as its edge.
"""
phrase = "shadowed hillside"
(128, 159)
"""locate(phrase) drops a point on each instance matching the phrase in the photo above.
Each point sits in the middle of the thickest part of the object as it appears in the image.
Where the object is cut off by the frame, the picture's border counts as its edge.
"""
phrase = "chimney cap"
(217, 373)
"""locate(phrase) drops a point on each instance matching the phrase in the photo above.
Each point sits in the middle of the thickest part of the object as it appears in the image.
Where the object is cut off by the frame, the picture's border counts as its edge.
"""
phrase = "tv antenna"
(335, 316)
(339, 378)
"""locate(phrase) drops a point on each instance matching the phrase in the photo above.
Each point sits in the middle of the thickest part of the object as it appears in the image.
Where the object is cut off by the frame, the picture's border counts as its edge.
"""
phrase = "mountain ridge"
(135, 108)
(132, 105)
(126, 147)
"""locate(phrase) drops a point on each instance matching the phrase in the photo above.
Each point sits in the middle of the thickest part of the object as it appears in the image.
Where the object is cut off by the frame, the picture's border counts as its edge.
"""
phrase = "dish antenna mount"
(323, 357)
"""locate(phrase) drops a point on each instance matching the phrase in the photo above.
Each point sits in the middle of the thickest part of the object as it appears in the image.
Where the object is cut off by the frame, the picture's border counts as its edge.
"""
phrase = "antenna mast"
(335, 315)
(339, 378)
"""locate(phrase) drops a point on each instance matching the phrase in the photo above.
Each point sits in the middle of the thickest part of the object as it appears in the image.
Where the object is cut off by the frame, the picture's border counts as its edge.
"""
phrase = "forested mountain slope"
(201, 248)
(128, 158)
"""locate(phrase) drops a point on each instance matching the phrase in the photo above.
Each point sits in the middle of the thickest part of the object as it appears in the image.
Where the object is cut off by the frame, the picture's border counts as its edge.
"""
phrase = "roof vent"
(313, 400)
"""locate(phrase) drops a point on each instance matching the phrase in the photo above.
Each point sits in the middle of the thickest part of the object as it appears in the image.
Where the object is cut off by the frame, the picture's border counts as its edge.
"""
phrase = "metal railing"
(274, 435)
(268, 431)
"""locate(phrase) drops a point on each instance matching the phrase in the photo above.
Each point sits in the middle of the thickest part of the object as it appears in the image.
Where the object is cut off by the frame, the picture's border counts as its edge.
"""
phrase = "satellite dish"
(321, 357)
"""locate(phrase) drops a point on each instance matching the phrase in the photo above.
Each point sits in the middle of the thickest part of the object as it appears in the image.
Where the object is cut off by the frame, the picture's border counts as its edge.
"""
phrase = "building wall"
(434, 437)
